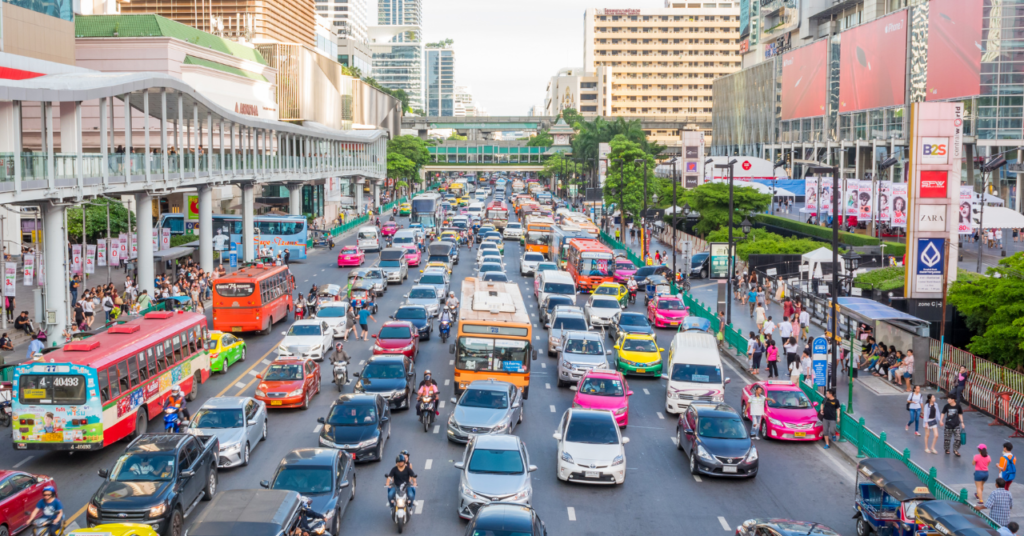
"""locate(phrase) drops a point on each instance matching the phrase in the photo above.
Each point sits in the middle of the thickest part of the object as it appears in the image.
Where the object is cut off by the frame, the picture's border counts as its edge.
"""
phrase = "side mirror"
(451, 349)
(186, 474)
(574, 387)
(265, 484)
(385, 418)
(625, 440)
(661, 349)
(460, 466)
(616, 347)
(814, 404)
(251, 423)
(374, 336)
(557, 435)
(344, 484)
(532, 468)
(321, 420)
(629, 393)
(103, 473)
(259, 376)
(355, 374)
(727, 380)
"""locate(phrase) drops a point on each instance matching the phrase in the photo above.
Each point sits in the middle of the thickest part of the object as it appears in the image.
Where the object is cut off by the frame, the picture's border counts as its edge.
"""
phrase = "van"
(694, 372)
(369, 239)
(554, 282)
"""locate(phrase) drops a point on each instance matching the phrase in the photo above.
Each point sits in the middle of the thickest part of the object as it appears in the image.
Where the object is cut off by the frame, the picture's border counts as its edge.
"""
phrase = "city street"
(798, 481)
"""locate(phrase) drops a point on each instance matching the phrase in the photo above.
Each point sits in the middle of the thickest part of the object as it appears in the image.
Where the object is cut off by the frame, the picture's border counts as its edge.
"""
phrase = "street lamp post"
(834, 170)
(622, 200)
(775, 180)
(850, 261)
(731, 255)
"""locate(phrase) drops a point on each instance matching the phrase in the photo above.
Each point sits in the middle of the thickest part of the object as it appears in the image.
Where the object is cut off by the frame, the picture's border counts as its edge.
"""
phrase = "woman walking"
(981, 461)
(914, 407)
(773, 359)
(931, 424)
(757, 353)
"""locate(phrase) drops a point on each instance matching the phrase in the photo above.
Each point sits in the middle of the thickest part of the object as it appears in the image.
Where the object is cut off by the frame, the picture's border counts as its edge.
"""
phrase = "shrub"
(823, 233)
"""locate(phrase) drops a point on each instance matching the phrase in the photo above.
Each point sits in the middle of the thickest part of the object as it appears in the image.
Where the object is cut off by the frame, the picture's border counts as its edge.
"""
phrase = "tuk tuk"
(887, 497)
(328, 293)
(321, 238)
(361, 295)
(656, 285)
(951, 518)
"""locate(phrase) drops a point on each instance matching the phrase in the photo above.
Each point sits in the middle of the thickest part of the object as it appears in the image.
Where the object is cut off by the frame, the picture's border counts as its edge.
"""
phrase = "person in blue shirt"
(364, 317)
(34, 346)
(50, 509)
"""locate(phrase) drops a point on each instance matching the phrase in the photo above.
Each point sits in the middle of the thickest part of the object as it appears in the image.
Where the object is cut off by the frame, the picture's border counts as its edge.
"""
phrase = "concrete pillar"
(206, 228)
(69, 128)
(248, 221)
(295, 199)
(358, 183)
(376, 194)
(55, 252)
(144, 240)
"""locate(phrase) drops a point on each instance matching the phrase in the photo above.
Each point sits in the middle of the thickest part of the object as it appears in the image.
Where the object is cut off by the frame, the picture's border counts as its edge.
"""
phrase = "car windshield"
(496, 462)
(492, 259)
(403, 240)
(394, 332)
(350, 250)
(602, 387)
(592, 429)
(685, 372)
(368, 235)
(787, 400)
(305, 480)
(533, 257)
(143, 467)
(639, 345)
(490, 267)
(632, 320)
(424, 293)
(390, 264)
(670, 305)
(607, 291)
(384, 371)
(330, 312)
(604, 304)
(496, 277)
(218, 418)
(575, 323)
(559, 300)
(374, 274)
(438, 258)
(436, 279)
(595, 267)
(624, 266)
(546, 266)
(697, 260)
(559, 288)
(283, 373)
(514, 226)
(484, 398)
(722, 428)
(411, 313)
(304, 330)
(584, 346)
(352, 414)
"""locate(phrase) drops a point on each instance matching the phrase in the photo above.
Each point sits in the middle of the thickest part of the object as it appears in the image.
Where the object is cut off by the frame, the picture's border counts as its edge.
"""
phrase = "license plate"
(673, 323)
(728, 469)
(592, 474)
(641, 370)
(275, 402)
(799, 434)
(236, 329)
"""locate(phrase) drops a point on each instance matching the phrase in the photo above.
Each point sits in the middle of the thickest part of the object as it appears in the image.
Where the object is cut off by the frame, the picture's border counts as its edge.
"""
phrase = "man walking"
(829, 412)
(1008, 465)
(1010, 529)
(1000, 502)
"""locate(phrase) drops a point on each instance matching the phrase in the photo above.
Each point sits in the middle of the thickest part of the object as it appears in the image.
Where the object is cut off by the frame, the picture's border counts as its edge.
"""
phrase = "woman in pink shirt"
(773, 359)
(981, 461)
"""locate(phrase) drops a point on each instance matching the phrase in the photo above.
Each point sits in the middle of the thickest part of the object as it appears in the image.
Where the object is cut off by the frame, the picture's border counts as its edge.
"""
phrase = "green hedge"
(895, 249)
(817, 231)
(881, 279)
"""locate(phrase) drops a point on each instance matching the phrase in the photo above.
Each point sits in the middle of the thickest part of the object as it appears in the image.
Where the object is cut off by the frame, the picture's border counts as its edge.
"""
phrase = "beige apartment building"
(660, 63)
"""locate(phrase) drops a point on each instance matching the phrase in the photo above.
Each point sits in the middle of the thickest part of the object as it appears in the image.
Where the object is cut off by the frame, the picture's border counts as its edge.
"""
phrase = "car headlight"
(93, 510)
(296, 392)
(260, 393)
(468, 492)
(776, 422)
(329, 515)
(703, 454)
(566, 457)
(157, 510)
(521, 495)
(316, 348)
(500, 427)
(618, 460)
(230, 449)
(752, 455)
(367, 443)
(620, 411)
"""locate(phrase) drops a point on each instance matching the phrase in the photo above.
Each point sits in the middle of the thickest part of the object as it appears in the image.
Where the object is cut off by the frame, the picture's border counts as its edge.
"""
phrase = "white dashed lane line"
(437, 427)
(317, 429)
(552, 408)
(239, 385)
(23, 462)
(451, 362)
(543, 365)
(446, 382)
(440, 404)
(266, 361)
(661, 416)
(572, 514)
(646, 392)
(725, 524)
(419, 507)
(428, 465)
(697, 478)
(547, 386)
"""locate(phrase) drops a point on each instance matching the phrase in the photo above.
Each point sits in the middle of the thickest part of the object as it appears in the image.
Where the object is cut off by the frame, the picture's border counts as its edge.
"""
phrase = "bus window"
(104, 385)
(143, 371)
(133, 371)
(122, 377)
(192, 343)
(168, 353)
(177, 225)
(154, 368)
(235, 290)
(177, 349)
(161, 365)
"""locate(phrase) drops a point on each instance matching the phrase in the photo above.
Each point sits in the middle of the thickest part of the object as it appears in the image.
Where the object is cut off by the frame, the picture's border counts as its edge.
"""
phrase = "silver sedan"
(494, 468)
(238, 422)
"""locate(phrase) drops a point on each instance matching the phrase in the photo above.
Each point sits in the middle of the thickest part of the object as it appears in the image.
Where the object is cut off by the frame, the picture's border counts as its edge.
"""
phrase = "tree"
(631, 175)
(572, 117)
(444, 43)
(96, 220)
(542, 139)
(414, 151)
(762, 242)
(711, 201)
(591, 134)
(994, 309)
(557, 164)
(455, 136)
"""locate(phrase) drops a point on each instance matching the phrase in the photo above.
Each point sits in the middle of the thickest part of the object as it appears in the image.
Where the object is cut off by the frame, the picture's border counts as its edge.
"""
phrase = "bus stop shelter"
(888, 325)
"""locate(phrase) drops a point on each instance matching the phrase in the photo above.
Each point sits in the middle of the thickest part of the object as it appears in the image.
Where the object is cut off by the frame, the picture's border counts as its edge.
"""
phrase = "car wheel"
(245, 455)
(336, 527)
(177, 521)
(561, 383)
(211, 484)
(264, 430)
(693, 464)
(679, 439)
(305, 401)
(353, 496)
(3, 531)
(764, 428)
(243, 355)
(704, 274)
(863, 527)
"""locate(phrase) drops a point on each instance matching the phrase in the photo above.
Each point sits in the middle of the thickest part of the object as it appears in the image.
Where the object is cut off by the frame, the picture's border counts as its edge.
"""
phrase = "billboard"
(933, 183)
(864, 199)
(965, 225)
(872, 63)
(954, 49)
(804, 81)
(899, 204)
(885, 201)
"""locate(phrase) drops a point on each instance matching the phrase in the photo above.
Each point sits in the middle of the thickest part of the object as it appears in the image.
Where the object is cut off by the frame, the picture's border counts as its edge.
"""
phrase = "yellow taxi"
(638, 354)
(404, 209)
(464, 201)
(449, 236)
(614, 290)
(437, 264)
(116, 529)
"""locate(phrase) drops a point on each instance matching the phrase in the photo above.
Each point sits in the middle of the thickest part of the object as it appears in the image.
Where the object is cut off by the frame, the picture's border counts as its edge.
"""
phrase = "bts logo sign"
(933, 184)
(935, 151)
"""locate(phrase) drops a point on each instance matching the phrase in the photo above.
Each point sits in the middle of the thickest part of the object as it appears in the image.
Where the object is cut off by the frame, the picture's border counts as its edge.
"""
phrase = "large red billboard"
(804, 81)
(954, 49)
(872, 64)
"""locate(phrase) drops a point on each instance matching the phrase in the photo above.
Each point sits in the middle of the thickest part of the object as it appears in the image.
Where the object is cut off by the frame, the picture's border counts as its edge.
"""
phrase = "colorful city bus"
(590, 263)
(494, 339)
(426, 210)
(278, 232)
(497, 214)
(538, 234)
(94, 392)
(560, 236)
(252, 299)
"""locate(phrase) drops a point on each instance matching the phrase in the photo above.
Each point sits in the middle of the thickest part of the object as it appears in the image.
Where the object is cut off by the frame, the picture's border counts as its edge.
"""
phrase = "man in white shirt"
(785, 329)
(805, 324)
(769, 328)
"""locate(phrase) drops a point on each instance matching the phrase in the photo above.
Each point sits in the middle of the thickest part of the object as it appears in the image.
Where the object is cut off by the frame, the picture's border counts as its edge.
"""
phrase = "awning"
(868, 311)
(1001, 218)
(172, 253)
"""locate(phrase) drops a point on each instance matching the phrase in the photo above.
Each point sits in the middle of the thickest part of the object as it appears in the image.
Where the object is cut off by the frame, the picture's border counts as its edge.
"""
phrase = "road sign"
(819, 355)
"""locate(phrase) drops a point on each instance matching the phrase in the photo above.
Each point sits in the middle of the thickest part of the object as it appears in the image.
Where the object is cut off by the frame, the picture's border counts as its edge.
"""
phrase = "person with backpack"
(1008, 465)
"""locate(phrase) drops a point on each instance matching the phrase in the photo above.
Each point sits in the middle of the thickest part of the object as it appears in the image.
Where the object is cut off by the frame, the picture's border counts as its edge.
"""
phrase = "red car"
(19, 494)
(289, 382)
(389, 228)
(397, 338)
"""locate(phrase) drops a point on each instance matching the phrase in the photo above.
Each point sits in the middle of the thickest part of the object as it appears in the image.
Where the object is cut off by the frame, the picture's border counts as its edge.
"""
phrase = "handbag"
(963, 436)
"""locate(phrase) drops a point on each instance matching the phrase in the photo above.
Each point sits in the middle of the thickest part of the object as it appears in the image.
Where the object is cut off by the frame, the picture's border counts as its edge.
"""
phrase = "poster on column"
(90, 259)
(10, 278)
(76, 259)
(115, 251)
(885, 201)
(133, 247)
(101, 252)
(899, 204)
(864, 198)
(826, 198)
(165, 238)
(811, 194)
(850, 197)
(156, 240)
(966, 226)
(29, 268)
(122, 247)
(41, 277)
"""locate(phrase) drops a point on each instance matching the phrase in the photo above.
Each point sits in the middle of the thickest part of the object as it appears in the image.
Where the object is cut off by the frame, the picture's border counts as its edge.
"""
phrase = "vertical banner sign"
(719, 260)
(865, 197)
(885, 201)
(101, 252)
(76, 259)
(122, 247)
(850, 198)
(10, 278)
(29, 268)
(133, 247)
(930, 256)
(899, 204)
(811, 194)
(90, 259)
(115, 251)
(819, 355)
(965, 224)
(165, 238)
(826, 196)
(41, 277)
(602, 162)
(156, 239)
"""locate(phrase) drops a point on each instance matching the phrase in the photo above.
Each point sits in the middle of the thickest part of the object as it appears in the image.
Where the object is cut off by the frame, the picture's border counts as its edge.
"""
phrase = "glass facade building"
(440, 77)
(400, 66)
(62, 9)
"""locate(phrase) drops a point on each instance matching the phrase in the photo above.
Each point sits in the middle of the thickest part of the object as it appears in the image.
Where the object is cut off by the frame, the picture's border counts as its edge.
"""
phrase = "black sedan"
(715, 441)
(646, 271)
(392, 376)
(783, 527)
(418, 316)
(506, 518)
(326, 476)
(626, 322)
(358, 424)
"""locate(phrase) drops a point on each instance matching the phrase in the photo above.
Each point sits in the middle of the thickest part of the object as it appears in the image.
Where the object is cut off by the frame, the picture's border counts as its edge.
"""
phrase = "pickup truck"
(158, 481)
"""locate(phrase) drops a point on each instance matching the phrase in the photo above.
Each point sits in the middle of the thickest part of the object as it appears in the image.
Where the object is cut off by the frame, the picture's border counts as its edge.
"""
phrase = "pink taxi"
(604, 389)
(623, 270)
(389, 228)
(413, 256)
(350, 256)
(666, 311)
(788, 413)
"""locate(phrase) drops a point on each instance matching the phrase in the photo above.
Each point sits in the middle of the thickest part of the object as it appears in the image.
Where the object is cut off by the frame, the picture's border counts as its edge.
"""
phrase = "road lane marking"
(552, 408)
(725, 524)
(240, 385)
(572, 514)
(646, 392)
(419, 507)
(76, 515)
(675, 440)
(251, 367)
(266, 361)
(361, 362)
(697, 478)
(547, 386)
(428, 465)
(451, 362)
(440, 404)
(253, 373)
(22, 462)
(317, 429)
(661, 416)
(543, 365)
(436, 428)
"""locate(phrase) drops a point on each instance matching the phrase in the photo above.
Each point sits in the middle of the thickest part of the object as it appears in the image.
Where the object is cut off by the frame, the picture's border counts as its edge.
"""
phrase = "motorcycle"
(340, 366)
(40, 526)
(172, 420)
(427, 411)
(401, 508)
(444, 329)
(300, 312)
(632, 296)
(5, 413)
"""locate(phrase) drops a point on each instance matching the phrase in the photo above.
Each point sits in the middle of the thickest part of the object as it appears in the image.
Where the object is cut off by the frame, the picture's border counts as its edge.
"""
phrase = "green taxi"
(225, 350)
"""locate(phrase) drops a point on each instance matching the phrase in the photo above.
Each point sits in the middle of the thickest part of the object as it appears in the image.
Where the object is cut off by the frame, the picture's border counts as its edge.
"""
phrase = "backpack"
(1011, 468)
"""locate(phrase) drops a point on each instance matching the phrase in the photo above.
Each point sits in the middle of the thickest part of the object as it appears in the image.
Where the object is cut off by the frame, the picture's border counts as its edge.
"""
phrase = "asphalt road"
(797, 481)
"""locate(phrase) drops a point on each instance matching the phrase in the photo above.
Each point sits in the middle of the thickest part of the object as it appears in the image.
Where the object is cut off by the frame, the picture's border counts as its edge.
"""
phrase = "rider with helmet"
(176, 400)
(452, 304)
(427, 387)
(400, 474)
(50, 509)
(305, 513)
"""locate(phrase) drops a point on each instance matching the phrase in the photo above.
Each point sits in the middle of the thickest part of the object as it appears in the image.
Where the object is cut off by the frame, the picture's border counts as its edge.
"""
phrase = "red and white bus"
(252, 299)
(590, 262)
(497, 214)
(96, 391)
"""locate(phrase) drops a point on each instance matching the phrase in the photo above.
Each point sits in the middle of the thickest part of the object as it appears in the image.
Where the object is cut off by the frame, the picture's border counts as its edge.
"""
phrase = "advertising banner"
(165, 238)
(156, 240)
(954, 41)
(826, 197)
(865, 197)
(719, 260)
(899, 204)
(602, 162)
(76, 259)
(122, 247)
(193, 207)
(966, 226)
(804, 81)
(691, 181)
(931, 253)
(29, 268)
(10, 278)
(101, 252)
(885, 201)
(114, 252)
(850, 207)
(872, 63)
(133, 247)
(934, 184)
(811, 193)
(41, 273)
(90, 259)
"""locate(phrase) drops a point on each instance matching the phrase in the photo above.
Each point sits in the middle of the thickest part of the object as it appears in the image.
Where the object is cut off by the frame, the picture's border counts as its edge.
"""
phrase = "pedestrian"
(350, 321)
(75, 284)
(1008, 465)
(769, 328)
(914, 407)
(88, 308)
(830, 414)
(961, 383)
(907, 369)
(791, 347)
(287, 255)
(1000, 502)
(751, 299)
(805, 325)
(953, 420)
(1010, 529)
(931, 424)
(755, 406)
(9, 307)
(981, 461)
(807, 366)
(773, 359)
(364, 318)
(785, 328)
(759, 317)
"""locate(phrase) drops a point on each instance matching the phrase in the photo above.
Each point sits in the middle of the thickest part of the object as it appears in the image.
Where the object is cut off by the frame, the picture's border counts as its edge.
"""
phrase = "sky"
(506, 51)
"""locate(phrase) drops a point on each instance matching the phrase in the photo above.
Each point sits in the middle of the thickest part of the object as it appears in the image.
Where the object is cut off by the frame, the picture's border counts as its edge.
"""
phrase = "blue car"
(696, 323)
(418, 316)
(628, 322)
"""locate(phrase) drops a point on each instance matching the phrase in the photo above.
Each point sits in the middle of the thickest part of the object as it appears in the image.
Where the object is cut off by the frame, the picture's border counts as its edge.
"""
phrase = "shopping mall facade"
(832, 81)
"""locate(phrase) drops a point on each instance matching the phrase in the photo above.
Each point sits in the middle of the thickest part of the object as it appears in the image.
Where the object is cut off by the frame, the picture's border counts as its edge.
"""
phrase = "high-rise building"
(587, 93)
(660, 63)
(401, 13)
(347, 17)
(465, 104)
(253, 21)
(440, 75)
(396, 48)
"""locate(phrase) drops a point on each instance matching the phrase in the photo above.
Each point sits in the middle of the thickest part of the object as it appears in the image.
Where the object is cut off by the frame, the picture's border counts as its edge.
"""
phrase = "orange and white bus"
(94, 392)
(590, 263)
(494, 340)
(538, 234)
(252, 299)
(497, 214)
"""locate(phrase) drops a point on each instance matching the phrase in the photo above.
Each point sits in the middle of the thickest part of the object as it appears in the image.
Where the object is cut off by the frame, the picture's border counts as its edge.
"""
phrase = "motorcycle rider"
(306, 513)
(311, 303)
(400, 474)
(427, 387)
(339, 356)
(176, 400)
(632, 287)
(50, 509)
(452, 304)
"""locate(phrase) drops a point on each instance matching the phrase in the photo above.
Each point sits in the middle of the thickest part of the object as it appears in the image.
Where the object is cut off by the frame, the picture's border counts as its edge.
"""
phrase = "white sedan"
(513, 230)
(334, 314)
(309, 338)
(528, 263)
(590, 447)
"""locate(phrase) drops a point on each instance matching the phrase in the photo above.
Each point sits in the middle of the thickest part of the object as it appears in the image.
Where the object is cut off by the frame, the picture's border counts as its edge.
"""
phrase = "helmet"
(400, 459)
(405, 453)
(50, 489)
(426, 372)
(176, 390)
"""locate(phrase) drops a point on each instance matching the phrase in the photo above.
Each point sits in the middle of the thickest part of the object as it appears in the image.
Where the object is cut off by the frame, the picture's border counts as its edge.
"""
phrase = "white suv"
(513, 230)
